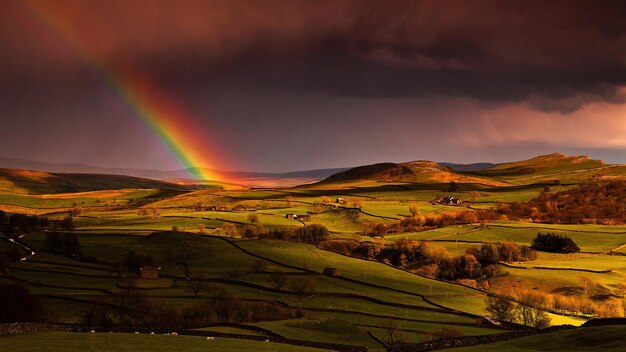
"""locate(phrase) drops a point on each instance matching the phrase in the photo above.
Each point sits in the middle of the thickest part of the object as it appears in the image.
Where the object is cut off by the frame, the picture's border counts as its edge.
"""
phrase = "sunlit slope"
(131, 342)
(411, 172)
(553, 167)
(39, 182)
(605, 338)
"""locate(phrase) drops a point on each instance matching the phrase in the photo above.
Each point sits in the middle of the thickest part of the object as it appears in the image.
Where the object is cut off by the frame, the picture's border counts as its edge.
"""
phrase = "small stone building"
(149, 272)
(332, 272)
(302, 217)
(450, 200)
(487, 320)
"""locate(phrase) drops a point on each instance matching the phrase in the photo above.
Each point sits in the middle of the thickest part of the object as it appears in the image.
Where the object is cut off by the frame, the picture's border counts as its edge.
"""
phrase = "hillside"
(39, 182)
(256, 179)
(420, 171)
(607, 338)
(552, 167)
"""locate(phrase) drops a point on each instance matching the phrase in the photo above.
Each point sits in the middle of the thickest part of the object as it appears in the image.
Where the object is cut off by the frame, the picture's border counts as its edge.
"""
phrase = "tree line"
(589, 203)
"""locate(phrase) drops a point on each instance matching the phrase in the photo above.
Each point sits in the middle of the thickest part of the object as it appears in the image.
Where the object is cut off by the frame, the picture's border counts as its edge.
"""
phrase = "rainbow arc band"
(176, 129)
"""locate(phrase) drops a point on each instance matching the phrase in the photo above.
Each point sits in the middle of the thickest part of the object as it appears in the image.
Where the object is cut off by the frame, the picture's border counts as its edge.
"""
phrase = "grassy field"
(105, 342)
(345, 309)
(605, 338)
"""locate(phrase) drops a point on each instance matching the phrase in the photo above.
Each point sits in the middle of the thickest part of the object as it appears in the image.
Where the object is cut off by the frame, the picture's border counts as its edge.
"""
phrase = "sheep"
(210, 338)
(92, 332)
(136, 333)
(174, 333)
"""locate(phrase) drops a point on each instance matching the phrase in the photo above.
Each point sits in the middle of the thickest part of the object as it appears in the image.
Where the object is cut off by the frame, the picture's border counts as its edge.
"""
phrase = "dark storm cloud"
(339, 82)
(558, 55)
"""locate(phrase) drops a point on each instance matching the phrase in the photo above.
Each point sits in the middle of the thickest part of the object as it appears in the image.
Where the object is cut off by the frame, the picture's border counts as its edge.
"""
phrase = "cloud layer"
(487, 72)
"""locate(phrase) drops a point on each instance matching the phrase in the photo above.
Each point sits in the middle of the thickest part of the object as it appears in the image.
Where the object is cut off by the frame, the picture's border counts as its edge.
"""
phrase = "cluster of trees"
(476, 263)
(17, 224)
(501, 309)
(598, 203)
(252, 230)
(554, 243)
(417, 222)
(64, 243)
(152, 211)
(132, 308)
(591, 203)
(435, 262)
(312, 233)
(302, 285)
(571, 304)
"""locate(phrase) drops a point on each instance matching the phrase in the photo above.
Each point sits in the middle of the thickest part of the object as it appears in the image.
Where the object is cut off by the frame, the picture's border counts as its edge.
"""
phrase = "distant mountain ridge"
(543, 168)
(41, 182)
(469, 167)
(24, 164)
(540, 169)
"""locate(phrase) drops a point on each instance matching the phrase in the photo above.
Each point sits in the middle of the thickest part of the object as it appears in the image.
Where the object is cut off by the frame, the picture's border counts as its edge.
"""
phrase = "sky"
(291, 85)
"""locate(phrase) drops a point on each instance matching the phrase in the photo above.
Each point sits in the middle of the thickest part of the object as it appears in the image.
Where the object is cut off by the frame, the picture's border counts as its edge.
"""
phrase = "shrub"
(554, 243)
(66, 243)
(314, 233)
(18, 304)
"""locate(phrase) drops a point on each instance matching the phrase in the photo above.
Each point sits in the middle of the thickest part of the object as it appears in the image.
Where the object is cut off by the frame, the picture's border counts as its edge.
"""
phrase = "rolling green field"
(354, 307)
(605, 338)
(113, 342)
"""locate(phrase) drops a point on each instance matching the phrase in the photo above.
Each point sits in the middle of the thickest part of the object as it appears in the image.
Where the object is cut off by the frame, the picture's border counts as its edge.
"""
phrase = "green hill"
(553, 167)
(113, 342)
(415, 172)
(39, 182)
(605, 338)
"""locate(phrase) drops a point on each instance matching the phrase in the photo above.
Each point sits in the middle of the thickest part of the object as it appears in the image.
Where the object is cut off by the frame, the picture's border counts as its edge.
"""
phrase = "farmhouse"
(149, 272)
(301, 217)
(450, 200)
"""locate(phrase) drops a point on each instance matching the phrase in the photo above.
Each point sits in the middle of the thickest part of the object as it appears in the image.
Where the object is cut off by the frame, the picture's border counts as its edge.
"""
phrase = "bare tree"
(586, 283)
(253, 218)
(77, 210)
(393, 334)
(530, 316)
(278, 280)
(500, 308)
(229, 229)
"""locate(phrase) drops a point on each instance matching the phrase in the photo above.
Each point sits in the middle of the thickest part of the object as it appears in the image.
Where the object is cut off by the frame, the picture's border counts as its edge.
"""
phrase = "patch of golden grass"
(91, 194)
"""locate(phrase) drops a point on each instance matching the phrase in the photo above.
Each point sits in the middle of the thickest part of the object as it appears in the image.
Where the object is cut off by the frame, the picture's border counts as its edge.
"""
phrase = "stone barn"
(149, 272)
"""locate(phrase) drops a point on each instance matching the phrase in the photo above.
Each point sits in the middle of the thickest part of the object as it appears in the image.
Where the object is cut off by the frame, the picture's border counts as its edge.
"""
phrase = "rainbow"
(172, 125)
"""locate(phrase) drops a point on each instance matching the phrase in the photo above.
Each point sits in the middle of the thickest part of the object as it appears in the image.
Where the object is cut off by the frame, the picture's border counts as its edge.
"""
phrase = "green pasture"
(116, 342)
(602, 338)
